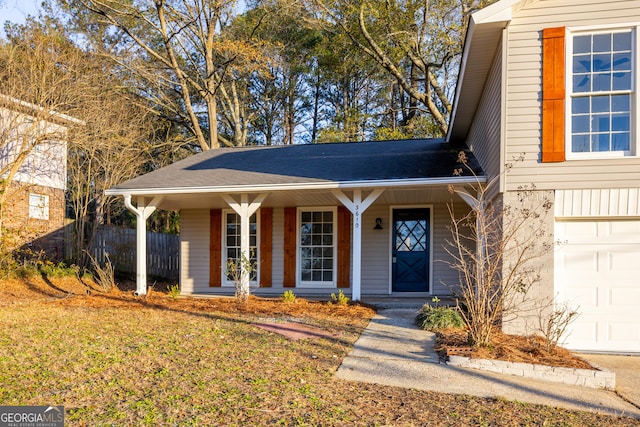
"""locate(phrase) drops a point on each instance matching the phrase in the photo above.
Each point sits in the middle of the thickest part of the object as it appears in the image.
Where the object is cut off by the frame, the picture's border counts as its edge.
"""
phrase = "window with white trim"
(232, 243)
(601, 87)
(38, 206)
(317, 244)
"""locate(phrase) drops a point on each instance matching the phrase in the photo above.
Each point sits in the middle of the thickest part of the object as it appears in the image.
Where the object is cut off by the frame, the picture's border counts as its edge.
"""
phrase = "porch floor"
(379, 302)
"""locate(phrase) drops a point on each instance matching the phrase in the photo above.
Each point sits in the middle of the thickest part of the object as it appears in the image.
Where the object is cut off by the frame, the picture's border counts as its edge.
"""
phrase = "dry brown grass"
(113, 359)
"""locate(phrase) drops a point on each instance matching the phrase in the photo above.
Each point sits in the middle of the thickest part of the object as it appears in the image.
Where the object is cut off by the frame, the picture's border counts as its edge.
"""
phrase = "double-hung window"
(232, 250)
(38, 206)
(602, 93)
(317, 243)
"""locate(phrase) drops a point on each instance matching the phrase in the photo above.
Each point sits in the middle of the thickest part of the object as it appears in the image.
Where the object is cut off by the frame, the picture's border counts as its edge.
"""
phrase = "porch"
(369, 219)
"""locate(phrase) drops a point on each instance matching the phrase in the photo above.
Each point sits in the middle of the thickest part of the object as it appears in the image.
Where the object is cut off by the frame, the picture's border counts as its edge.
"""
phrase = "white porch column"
(244, 209)
(142, 212)
(357, 208)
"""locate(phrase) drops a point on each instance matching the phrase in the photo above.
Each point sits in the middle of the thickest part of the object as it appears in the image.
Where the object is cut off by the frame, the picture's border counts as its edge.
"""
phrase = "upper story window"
(601, 88)
(38, 206)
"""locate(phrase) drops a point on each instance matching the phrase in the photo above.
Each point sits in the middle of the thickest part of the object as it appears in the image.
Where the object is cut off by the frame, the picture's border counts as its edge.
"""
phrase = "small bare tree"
(35, 91)
(553, 321)
(241, 270)
(494, 249)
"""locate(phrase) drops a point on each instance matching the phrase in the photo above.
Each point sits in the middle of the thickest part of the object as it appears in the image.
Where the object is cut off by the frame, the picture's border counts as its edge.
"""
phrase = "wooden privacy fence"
(163, 251)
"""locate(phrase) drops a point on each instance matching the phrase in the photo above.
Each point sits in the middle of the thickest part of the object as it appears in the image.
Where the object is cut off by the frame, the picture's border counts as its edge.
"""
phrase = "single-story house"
(368, 218)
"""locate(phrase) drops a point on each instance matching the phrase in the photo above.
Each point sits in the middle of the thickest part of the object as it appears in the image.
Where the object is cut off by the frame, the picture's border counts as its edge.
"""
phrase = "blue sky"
(16, 11)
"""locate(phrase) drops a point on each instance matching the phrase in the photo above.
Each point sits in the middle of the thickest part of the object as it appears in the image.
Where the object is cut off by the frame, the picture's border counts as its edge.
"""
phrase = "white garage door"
(597, 270)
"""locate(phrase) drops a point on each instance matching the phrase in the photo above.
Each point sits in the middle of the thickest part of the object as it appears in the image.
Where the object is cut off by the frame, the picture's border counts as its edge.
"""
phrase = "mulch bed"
(511, 348)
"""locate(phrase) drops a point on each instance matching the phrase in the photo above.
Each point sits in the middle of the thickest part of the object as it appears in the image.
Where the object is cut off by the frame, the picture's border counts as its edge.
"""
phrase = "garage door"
(597, 270)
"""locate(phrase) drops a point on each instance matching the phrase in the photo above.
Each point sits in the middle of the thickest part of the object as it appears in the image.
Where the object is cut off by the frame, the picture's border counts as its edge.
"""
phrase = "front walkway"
(393, 351)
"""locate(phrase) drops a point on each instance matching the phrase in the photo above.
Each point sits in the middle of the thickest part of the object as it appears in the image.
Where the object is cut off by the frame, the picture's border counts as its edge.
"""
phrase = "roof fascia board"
(496, 12)
(296, 187)
(463, 68)
(33, 110)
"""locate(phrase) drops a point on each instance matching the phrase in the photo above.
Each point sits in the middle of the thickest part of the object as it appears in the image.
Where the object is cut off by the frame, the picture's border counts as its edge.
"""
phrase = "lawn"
(113, 359)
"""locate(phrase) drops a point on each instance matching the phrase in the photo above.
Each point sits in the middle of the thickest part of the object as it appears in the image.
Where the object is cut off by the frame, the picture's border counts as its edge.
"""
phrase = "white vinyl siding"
(194, 251)
(444, 279)
(484, 134)
(523, 108)
(587, 203)
(375, 251)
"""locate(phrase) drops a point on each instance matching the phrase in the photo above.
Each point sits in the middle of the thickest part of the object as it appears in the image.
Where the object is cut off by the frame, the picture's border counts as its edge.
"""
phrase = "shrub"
(436, 317)
(103, 274)
(340, 299)
(288, 297)
(174, 291)
(60, 269)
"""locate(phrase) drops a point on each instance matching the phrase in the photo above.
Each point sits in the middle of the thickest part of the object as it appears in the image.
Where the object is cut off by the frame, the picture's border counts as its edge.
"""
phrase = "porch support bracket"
(357, 207)
(477, 205)
(142, 212)
(245, 209)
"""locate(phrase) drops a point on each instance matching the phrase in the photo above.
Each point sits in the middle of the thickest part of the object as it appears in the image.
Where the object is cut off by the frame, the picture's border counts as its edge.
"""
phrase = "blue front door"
(410, 252)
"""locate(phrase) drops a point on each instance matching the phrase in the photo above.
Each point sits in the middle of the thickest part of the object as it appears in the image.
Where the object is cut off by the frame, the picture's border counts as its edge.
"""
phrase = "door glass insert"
(411, 235)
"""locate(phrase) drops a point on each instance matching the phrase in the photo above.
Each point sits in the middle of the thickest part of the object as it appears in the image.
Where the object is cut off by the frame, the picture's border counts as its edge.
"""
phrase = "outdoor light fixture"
(378, 224)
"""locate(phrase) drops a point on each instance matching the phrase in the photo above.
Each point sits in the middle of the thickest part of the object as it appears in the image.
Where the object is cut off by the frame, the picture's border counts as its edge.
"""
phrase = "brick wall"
(21, 231)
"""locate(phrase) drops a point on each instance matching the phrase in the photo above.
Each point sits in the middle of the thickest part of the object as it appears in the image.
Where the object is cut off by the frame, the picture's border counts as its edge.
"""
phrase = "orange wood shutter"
(344, 247)
(290, 219)
(266, 244)
(215, 248)
(553, 95)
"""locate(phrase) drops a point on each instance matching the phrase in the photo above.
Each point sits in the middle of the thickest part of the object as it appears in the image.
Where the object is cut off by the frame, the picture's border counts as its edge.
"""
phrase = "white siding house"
(568, 105)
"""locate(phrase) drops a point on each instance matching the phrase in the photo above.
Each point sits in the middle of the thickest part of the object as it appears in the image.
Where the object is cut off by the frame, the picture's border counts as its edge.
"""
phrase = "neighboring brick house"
(33, 163)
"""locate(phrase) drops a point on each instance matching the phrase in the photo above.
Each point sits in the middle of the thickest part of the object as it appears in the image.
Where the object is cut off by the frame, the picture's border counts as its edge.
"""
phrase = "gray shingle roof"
(307, 164)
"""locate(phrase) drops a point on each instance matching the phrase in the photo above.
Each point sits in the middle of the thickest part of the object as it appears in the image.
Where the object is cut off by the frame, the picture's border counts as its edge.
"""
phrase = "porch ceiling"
(391, 196)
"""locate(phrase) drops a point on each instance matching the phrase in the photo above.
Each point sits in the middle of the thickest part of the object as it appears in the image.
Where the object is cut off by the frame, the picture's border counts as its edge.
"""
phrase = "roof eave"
(486, 22)
(371, 184)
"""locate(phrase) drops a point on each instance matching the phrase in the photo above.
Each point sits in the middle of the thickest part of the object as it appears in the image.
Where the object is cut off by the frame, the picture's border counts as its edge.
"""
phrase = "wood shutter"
(344, 247)
(266, 244)
(553, 94)
(215, 248)
(290, 244)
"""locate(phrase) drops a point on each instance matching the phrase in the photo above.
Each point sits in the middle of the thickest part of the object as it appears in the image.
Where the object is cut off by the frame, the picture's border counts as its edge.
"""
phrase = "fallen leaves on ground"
(511, 348)
(115, 359)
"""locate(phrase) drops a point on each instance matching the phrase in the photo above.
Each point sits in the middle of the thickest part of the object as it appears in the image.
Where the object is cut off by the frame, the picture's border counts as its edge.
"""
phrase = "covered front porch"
(375, 229)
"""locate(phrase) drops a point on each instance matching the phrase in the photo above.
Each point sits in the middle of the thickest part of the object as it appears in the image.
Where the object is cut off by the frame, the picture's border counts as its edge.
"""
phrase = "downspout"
(141, 212)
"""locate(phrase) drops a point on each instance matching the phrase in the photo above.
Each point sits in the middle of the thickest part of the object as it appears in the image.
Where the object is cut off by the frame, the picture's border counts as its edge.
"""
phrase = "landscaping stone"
(594, 378)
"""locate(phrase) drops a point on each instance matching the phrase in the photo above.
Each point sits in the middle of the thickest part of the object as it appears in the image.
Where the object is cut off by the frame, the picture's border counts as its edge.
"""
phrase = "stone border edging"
(600, 378)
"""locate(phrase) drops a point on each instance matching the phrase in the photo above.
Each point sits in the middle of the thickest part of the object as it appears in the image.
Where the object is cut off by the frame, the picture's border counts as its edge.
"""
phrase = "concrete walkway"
(393, 351)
